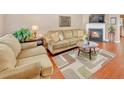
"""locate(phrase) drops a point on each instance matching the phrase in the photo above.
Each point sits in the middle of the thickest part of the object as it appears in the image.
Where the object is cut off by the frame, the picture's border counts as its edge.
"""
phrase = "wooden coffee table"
(89, 48)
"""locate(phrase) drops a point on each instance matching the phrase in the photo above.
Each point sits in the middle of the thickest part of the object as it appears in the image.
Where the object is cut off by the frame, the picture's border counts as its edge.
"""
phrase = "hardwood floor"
(112, 70)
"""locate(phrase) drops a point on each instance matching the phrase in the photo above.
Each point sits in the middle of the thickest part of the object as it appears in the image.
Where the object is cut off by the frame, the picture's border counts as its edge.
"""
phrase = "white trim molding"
(117, 41)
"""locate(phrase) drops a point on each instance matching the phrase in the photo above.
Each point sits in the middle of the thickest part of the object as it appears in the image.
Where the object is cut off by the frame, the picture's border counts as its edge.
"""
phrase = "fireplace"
(96, 31)
(96, 35)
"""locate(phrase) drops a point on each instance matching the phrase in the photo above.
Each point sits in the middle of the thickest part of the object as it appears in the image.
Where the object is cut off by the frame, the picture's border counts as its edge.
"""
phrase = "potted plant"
(110, 29)
(22, 34)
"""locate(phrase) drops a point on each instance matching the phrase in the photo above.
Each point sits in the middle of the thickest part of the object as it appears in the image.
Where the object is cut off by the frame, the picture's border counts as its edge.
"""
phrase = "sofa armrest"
(22, 72)
(46, 43)
(28, 45)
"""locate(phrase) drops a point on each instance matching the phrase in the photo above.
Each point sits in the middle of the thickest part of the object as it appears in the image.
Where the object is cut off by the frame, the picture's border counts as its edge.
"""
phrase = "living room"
(59, 43)
(64, 46)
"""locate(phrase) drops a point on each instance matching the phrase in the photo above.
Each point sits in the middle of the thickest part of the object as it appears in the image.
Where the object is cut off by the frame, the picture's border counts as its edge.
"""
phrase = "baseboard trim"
(117, 41)
(106, 40)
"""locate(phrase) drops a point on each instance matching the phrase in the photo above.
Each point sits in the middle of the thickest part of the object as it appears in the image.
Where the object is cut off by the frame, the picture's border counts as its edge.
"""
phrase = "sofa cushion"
(55, 36)
(80, 33)
(73, 41)
(47, 37)
(67, 34)
(32, 52)
(80, 38)
(7, 57)
(28, 45)
(46, 65)
(12, 42)
(75, 33)
(61, 44)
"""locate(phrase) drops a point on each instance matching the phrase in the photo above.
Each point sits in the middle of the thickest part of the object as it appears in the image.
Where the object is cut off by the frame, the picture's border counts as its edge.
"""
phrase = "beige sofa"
(61, 40)
(22, 61)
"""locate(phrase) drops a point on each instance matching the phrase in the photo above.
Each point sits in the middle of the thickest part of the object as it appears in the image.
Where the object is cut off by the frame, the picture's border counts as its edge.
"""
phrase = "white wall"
(1, 24)
(45, 21)
(85, 20)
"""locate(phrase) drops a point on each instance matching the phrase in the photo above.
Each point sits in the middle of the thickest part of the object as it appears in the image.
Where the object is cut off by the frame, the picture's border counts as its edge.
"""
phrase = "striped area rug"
(73, 66)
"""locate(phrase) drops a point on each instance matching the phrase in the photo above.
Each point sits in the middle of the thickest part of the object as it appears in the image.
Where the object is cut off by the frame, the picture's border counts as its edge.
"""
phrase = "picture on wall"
(64, 21)
(113, 20)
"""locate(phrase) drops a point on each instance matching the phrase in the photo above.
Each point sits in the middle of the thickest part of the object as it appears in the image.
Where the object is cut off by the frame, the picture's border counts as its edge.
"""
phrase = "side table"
(38, 40)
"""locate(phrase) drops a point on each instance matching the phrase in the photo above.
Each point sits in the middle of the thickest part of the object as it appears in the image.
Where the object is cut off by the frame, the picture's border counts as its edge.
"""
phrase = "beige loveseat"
(21, 61)
(61, 40)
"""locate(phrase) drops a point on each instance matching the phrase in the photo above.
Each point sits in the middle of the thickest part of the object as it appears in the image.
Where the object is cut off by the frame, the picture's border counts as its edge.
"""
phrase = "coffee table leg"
(90, 53)
(94, 50)
(78, 52)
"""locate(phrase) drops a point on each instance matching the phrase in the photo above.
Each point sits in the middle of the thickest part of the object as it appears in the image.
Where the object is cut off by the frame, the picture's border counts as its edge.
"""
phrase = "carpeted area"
(73, 66)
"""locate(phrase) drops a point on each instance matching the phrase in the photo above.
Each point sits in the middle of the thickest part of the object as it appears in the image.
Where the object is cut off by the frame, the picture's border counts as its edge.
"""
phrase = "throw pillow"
(55, 37)
(61, 36)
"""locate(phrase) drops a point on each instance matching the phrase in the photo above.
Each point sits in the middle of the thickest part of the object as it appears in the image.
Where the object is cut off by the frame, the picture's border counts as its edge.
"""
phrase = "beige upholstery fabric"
(80, 38)
(64, 43)
(28, 45)
(7, 57)
(67, 34)
(55, 51)
(61, 37)
(60, 44)
(32, 52)
(24, 71)
(55, 36)
(46, 65)
(47, 38)
(75, 33)
(32, 61)
(12, 42)
(71, 38)
(80, 34)
(73, 41)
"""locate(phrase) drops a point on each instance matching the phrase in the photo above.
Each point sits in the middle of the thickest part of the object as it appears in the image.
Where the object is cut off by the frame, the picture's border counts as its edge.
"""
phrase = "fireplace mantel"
(96, 26)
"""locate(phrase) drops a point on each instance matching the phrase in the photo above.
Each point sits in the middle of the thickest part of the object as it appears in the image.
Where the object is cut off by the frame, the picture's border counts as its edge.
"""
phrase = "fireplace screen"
(96, 34)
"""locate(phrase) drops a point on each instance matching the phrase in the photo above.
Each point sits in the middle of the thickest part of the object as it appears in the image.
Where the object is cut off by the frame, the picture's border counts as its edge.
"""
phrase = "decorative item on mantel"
(35, 29)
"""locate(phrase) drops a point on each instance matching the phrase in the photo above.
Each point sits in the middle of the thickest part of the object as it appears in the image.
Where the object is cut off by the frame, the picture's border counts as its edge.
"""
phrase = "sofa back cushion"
(55, 36)
(7, 57)
(48, 36)
(12, 42)
(75, 32)
(67, 34)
